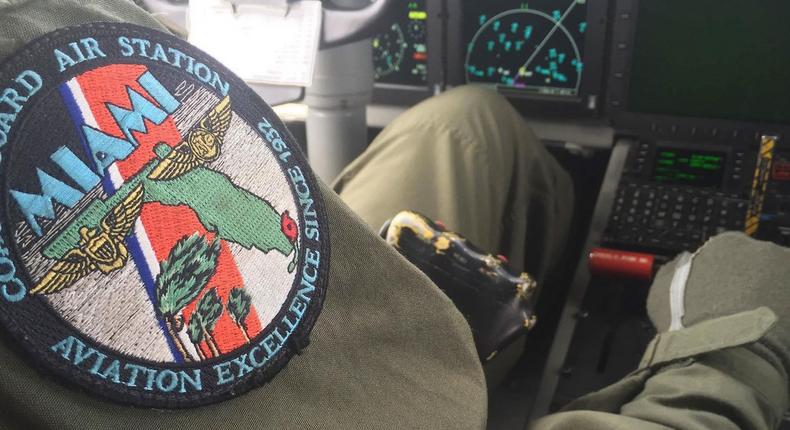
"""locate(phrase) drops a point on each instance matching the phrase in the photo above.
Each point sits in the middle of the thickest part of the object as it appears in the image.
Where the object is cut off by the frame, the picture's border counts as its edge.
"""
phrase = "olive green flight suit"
(391, 351)
(467, 157)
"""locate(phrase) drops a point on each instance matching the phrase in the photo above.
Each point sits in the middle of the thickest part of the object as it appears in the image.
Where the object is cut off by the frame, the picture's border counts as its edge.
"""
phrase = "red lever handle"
(621, 264)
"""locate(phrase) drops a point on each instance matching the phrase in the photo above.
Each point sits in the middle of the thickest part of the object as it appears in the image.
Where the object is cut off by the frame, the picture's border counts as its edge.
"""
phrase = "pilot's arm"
(721, 359)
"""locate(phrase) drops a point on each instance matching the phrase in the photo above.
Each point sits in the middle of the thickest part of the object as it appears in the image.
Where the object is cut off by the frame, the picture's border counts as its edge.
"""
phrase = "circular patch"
(163, 241)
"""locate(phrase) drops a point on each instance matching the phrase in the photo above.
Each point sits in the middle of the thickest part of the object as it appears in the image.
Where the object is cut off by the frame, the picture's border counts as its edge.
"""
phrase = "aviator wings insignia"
(100, 248)
(202, 145)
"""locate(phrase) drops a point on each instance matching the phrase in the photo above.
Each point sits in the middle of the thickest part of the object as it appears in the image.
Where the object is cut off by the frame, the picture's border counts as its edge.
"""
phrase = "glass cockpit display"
(727, 65)
(400, 54)
(535, 46)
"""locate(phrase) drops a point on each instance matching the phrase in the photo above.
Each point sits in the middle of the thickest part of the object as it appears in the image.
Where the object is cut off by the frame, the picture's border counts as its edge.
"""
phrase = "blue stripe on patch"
(147, 277)
(76, 116)
(131, 242)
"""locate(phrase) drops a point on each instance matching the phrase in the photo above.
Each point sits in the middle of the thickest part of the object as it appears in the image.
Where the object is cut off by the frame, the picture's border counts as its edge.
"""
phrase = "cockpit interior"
(659, 110)
(672, 118)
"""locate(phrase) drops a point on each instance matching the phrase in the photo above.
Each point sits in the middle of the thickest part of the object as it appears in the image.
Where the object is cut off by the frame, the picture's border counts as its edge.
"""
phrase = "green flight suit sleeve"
(738, 387)
(390, 351)
(24, 20)
(724, 366)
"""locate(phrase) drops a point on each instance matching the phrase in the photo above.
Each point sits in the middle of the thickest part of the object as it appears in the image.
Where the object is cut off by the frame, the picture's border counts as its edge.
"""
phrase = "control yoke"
(342, 26)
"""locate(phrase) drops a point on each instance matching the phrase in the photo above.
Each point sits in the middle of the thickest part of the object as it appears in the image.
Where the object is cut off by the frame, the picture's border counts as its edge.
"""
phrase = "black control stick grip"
(498, 305)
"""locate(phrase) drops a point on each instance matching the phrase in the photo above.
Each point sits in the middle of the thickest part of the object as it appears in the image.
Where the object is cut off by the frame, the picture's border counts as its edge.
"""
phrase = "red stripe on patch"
(164, 225)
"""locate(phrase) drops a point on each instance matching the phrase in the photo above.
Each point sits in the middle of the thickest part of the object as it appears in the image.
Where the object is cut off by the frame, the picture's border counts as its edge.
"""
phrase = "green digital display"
(683, 167)
(714, 59)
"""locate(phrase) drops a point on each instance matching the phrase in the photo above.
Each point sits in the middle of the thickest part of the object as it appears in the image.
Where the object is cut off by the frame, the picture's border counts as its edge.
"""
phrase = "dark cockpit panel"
(703, 87)
(678, 68)
(733, 70)
(697, 95)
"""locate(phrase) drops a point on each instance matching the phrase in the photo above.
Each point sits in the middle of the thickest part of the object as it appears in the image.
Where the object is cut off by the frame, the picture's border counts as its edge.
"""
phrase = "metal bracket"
(282, 5)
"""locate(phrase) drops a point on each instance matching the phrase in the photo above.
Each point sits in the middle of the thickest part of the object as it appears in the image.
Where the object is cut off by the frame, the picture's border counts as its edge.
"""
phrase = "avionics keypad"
(674, 197)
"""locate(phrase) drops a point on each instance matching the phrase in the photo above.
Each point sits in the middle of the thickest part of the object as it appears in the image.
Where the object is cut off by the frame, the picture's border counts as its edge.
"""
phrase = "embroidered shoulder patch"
(163, 241)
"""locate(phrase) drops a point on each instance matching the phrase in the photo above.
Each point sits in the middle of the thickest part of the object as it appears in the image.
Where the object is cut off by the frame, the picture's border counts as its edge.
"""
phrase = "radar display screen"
(685, 167)
(400, 54)
(535, 46)
(712, 59)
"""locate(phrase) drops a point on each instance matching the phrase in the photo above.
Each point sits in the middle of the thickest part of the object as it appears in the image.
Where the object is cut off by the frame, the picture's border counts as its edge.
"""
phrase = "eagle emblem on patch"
(163, 242)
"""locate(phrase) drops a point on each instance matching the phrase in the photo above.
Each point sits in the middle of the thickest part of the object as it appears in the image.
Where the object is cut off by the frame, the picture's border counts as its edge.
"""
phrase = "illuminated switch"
(781, 170)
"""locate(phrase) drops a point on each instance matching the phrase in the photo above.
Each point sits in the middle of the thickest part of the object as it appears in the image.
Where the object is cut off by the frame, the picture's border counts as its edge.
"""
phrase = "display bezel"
(407, 95)
(625, 21)
(589, 98)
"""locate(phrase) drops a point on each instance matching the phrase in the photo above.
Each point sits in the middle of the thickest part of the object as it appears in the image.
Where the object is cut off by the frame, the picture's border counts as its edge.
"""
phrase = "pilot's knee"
(468, 101)
(477, 113)
(476, 95)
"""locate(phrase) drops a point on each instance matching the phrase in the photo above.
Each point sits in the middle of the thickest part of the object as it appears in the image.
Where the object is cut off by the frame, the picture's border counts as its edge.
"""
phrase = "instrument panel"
(698, 85)
(547, 51)
(697, 94)
(666, 79)
(535, 47)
